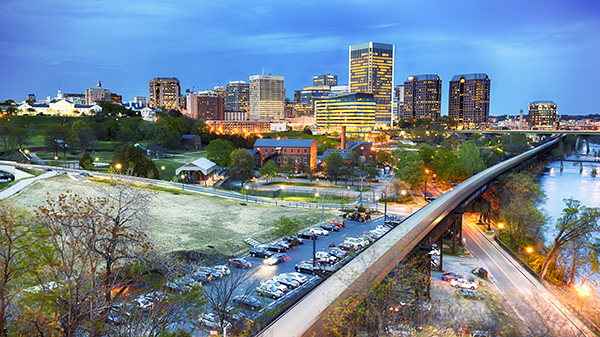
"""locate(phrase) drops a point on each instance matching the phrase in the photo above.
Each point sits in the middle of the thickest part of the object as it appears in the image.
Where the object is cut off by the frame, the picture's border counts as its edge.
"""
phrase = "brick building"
(300, 152)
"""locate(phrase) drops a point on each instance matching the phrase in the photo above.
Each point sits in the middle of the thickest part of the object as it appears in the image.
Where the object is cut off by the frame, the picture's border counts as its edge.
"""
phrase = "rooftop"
(272, 142)
(424, 77)
(473, 76)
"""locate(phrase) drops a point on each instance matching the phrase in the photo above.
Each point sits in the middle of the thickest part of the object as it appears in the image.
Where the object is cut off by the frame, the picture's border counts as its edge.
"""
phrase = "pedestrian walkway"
(21, 184)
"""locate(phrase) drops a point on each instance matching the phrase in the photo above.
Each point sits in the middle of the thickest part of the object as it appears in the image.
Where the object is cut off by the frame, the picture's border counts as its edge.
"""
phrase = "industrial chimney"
(343, 137)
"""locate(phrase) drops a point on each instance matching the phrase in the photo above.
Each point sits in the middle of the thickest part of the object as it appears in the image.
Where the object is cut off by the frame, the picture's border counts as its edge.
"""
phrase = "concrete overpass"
(308, 316)
(535, 132)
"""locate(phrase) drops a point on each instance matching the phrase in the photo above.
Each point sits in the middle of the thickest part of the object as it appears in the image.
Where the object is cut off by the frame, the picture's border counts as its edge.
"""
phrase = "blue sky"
(531, 50)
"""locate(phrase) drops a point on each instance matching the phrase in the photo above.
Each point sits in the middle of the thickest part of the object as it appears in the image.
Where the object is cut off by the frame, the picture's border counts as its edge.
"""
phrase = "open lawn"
(188, 222)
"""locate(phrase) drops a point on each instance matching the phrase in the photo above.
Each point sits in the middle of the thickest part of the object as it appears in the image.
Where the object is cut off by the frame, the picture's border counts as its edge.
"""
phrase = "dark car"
(307, 268)
(276, 248)
(260, 252)
(347, 247)
(284, 243)
(308, 235)
(337, 252)
(277, 258)
(451, 276)
(468, 293)
(330, 227)
(215, 273)
(293, 240)
(248, 301)
(201, 275)
(239, 263)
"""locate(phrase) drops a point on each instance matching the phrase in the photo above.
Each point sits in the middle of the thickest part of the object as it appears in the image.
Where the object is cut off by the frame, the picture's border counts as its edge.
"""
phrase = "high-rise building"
(97, 94)
(543, 114)
(355, 111)
(325, 79)
(139, 100)
(469, 100)
(220, 91)
(422, 97)
(238, 96)
(304, 100)
(205, 106)
(267, 97)
(164, 92)
(399, 101)
(372, 71)
(30, 99)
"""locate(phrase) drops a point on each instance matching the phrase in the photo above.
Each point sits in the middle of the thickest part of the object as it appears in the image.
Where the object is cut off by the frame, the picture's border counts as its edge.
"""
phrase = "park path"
(21, 184)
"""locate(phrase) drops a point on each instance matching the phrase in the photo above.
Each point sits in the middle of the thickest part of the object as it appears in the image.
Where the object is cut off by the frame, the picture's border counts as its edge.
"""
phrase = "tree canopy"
(219, 151)
(133, 161)
(241, 165)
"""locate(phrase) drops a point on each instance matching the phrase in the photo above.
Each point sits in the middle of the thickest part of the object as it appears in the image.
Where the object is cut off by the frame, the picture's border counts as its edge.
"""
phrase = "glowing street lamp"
(26, 151)
(582, 292)
(529, 251)
(162, 167)
(182, 178)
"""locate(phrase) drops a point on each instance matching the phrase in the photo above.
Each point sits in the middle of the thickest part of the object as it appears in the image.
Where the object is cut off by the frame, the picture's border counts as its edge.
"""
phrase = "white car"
(325, 256)
(319, 231)
(356, 242)
(298, 277)
(462, 283)
(212, 321)
(223, 269)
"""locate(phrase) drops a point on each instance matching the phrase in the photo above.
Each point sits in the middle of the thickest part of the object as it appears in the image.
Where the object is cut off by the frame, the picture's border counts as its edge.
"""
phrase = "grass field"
(295, 183)
(188, 222)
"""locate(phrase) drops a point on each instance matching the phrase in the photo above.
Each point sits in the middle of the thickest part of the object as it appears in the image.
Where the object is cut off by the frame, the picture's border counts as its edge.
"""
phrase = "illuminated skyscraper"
(238, 96)
(267, 97)
(164, 92)
(422, 97)
(543, 115)
(325, 79)
(355, 111)
(469, 100)
(372, 71)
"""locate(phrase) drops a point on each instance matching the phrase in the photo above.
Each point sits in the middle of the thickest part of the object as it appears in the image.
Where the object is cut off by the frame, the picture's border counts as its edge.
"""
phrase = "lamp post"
(500, 227)
(582, 293)
(118, 167)
(182, 178)
(247, 191)
(529, 251)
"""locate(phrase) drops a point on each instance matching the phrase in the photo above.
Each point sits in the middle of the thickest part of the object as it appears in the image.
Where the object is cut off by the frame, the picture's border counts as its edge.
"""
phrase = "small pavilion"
(197, 171)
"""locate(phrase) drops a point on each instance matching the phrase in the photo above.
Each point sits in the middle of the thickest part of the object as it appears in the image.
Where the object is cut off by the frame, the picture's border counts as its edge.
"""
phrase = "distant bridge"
(537, 132)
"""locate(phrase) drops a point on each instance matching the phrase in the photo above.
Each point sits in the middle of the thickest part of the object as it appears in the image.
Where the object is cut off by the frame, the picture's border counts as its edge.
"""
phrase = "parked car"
(147, 300)
(212, 321)
(215, 273)
(330, 227)
(319, 231)
(356, 242)
(260, 252)
(382, 228)
(337, 252)
(184, 284)
(306, 268)
(201, 276)
(248, 301)
(468, 293)
(372, 237)
(462, 283)
(276, 248)
(339, 223)
(297, 277)
(346, 246)
(293, 240)
(326, 257)
(239, 263)
(284, 244)
(287, 281)
(269, 291)
(451, 276)
(223, 269)
(277, 258)
(308, 235)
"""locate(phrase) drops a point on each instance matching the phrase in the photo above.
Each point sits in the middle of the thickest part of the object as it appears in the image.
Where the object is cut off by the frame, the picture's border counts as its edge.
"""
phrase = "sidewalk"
(21, 184)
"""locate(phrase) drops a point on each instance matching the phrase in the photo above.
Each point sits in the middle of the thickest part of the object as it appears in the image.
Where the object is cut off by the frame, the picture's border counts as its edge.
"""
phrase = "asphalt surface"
(539, 311)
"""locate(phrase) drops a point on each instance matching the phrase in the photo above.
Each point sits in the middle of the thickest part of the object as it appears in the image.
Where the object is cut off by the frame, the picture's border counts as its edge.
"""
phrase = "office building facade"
(237, 97)
(205, 106)
(469, 100)
(422, 97)
(164, 92)
(543, 115)
(325, 79)
(97, 94)
(399, 100)
(355, 111)
(267, 98)
(372, 71)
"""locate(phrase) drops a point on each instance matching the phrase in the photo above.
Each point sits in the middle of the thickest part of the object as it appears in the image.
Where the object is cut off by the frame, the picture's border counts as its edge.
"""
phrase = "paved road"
(541, 313)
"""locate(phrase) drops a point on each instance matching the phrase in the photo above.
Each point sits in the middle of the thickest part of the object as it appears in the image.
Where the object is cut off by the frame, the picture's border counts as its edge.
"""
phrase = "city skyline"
(528, 49)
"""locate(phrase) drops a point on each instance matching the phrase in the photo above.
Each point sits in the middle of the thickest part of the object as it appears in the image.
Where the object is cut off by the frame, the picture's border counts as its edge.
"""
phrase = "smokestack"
(343, 137)
(521, 121)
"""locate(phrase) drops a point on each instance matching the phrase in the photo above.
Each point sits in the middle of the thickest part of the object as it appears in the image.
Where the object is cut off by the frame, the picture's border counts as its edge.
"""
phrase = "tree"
(411, 168)
(334, 166)
(219, 151)
(577, 222)
(269, 170)
(286, 226)
(469, 154)
(57, 137)
(86, 161)
(288, 169)
(383, 157)
(241, 165)
(133, 161)
(19, 236)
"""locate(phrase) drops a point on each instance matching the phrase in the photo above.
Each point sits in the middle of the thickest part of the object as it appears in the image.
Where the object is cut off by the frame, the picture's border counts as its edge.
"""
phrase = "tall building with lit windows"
(164, 92)
(237, 97)
(356, 111)
(469, 100)
(543, 115)
(267, 98)
(372, 71)
(422, 97)
(325, 79)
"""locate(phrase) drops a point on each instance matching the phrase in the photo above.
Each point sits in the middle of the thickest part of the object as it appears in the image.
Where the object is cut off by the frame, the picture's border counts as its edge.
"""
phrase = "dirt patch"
(187, 222)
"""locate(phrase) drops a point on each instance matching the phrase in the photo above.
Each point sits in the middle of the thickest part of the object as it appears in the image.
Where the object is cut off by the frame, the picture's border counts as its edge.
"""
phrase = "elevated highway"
(309, 316)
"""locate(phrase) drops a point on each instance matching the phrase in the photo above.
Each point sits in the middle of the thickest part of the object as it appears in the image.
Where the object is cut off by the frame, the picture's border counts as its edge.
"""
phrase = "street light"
(582, 292)
(528, 250)
(182, 177)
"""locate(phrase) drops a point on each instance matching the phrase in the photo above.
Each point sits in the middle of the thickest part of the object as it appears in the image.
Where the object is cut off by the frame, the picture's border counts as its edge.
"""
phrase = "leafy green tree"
(241, 165)
(383, 157)
(54, 134)
(515, 144)
(86, 161)
(411, 168)
(219, 151)
(269, 170)
(133, 161)
(288, 169)
(448, 167)
(577, 222)
(334, 166)
(286, 226)
(469, 154)
(85, 135)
